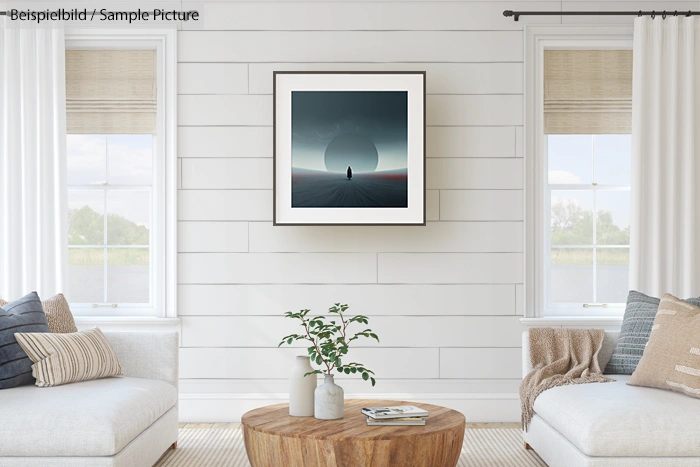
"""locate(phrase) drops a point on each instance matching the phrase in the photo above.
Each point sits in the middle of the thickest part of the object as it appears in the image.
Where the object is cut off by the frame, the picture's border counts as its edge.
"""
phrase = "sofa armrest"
(149, 355)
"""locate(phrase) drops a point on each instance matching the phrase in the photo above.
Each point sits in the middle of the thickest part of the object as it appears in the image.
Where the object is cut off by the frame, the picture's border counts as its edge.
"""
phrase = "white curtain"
(665, 228)
(33, 205)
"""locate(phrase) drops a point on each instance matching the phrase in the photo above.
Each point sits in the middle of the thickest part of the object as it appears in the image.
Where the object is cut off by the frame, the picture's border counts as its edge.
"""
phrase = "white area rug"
(223, 447)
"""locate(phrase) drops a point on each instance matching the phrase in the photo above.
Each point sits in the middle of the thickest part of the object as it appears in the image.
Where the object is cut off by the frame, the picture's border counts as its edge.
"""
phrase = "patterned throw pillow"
(23, 315)
(69, 358)
(634, 335)
(672, 357)
(58, 314)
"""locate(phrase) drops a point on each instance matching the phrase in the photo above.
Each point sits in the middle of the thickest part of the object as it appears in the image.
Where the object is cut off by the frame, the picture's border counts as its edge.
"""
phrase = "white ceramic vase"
(329, 400)
(301, 389)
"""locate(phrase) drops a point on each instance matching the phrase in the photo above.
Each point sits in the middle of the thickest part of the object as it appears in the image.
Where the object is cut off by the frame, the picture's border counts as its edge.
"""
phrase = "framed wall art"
(349, 148)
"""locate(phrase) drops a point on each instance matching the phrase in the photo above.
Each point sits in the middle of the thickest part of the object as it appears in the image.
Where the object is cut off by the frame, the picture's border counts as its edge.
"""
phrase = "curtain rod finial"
(508, 13)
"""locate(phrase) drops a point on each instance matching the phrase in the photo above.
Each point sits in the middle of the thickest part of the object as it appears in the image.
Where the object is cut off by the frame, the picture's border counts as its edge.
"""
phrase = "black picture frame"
(275, 155)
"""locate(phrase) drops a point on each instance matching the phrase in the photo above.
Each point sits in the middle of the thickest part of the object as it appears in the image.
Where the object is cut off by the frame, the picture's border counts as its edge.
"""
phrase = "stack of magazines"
(402, 415)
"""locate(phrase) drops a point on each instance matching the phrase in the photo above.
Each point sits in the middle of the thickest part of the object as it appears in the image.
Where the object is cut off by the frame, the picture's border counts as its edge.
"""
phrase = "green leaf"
(319, 360)
(346, 370)
(365, 376)
(373, 381)
(289, 341)
(354, 370)
(337, 361)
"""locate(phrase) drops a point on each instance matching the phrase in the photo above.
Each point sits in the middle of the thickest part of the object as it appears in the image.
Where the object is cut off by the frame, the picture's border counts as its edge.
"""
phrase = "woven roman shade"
(111, 91)
(587, 91)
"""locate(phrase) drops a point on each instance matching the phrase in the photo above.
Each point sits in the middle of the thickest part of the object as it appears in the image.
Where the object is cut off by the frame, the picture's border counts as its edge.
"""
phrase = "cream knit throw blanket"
(560, 357)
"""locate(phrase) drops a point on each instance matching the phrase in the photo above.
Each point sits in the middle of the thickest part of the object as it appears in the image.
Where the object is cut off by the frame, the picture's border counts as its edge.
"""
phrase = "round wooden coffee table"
(274, 439)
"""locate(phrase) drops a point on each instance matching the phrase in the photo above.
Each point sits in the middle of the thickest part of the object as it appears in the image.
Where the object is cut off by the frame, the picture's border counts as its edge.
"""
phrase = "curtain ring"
(664, 15)
(640, 14)
(653, 14)
(688, 15)
(675, 13)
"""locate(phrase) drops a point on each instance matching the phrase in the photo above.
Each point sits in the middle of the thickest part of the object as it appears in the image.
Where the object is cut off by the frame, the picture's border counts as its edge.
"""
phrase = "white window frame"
(537, 40)
(164, 231)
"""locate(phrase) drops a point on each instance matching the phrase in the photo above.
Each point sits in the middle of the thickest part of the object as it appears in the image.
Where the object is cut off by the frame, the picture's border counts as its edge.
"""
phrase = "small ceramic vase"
(329, 400)
(301, 389)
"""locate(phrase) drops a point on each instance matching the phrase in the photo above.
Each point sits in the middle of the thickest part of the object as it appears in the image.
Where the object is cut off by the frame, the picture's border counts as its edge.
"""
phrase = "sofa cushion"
(58, 313)
(614, 419)
(22, 315)
(90, 418)
(634, 335)
(69, 357)
(672, 356)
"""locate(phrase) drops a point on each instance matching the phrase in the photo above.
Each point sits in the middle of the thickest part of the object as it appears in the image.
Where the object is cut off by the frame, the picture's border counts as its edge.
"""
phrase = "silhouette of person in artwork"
(349, 173)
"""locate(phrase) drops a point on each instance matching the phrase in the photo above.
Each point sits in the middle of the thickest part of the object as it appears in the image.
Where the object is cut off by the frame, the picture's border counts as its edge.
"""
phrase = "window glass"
(86, 275)
(572, 217)
(569, 158)
(589, 217)
(86, 159)
(571, 275)
(127, 275)
(613, 218)
(613, 159)
(129, 217)
(130, 159)
(86, 222)
(110, 213)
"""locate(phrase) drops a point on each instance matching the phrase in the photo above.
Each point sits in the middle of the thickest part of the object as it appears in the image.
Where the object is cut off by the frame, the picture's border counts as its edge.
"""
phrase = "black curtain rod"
(517, 14)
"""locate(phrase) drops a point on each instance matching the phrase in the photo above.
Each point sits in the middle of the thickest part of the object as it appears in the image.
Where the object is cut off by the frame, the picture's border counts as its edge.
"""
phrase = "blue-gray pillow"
(23, 315)
(634, 335)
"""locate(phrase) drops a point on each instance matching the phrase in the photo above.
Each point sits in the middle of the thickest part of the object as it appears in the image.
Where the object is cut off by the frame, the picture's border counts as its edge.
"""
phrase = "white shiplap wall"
(441, 297)
(444, 298)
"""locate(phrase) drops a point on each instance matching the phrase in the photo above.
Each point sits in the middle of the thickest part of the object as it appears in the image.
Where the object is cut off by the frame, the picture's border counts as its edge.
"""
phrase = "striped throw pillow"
(23, 315)
(69, 358)
(58, 314)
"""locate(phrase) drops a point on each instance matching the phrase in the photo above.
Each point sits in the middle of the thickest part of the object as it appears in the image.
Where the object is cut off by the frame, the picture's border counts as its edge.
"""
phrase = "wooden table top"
(275, 419)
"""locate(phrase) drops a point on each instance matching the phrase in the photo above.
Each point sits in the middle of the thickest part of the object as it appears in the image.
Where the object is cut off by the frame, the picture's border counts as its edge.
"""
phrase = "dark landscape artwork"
(349, 149)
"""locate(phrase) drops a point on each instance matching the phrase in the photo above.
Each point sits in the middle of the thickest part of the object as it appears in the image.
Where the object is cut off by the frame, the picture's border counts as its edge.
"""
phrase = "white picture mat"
(285, 84)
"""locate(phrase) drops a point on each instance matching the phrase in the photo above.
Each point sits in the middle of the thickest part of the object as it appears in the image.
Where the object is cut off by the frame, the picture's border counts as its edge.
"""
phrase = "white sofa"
(612, 424)
(125, 421)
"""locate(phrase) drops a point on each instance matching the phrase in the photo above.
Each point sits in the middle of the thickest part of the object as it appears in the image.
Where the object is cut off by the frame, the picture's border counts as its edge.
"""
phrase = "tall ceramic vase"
(301, 389)
(329, 400)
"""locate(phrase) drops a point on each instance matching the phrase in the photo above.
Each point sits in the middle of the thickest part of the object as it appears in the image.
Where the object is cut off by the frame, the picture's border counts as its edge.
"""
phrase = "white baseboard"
(229, 407)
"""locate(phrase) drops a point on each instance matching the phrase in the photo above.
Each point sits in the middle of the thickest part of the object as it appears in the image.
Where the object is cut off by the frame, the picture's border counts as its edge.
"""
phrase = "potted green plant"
(330, 341)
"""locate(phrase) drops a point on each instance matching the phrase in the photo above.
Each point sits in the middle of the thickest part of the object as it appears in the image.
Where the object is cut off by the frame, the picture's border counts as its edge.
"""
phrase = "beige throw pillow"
(58, 314)
(68, 358)
(671, 358)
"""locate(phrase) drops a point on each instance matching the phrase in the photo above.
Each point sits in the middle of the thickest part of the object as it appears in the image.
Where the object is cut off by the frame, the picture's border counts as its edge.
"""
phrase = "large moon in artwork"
(351, 149)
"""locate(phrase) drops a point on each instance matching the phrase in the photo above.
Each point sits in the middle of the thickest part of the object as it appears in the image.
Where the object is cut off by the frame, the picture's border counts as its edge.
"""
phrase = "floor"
(222, 445)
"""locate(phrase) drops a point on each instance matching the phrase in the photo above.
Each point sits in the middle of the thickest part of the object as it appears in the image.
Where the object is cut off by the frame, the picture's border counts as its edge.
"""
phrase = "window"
(578, 100)
(110, 214)
(588, 195)
(121, 172)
